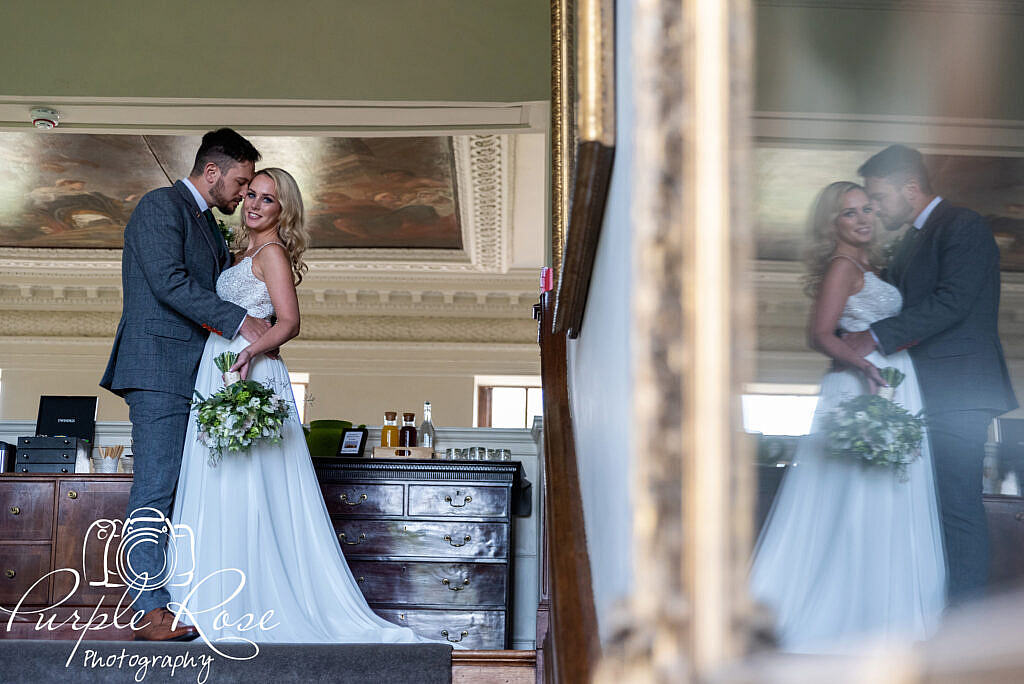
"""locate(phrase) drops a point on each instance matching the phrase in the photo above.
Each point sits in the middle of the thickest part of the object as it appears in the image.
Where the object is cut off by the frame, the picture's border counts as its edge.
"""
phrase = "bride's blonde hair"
(292, 227)
(821, 234)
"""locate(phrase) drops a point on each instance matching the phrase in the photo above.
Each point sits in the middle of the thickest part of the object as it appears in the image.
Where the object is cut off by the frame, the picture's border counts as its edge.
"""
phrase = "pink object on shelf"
(547, 279)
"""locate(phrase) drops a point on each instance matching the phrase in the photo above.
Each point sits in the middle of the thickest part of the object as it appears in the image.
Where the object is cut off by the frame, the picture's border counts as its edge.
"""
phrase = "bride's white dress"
(262, 513)
(849, 552)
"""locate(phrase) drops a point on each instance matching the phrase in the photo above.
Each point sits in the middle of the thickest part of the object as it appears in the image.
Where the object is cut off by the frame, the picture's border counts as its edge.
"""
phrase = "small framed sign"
(352, 442)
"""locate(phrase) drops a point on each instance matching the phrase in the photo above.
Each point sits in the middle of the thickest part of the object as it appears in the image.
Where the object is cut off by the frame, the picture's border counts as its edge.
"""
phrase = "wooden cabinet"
(429, 542)
(51, 522)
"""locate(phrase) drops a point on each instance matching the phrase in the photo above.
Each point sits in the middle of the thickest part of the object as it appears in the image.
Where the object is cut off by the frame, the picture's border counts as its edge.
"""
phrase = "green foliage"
(892, 376)
(238, 415)
(876, 431)
(225, 361)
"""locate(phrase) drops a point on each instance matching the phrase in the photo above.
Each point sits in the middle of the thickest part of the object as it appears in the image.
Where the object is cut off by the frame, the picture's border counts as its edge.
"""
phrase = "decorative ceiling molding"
(996, 7)
(485, 161)
(178, 116)
(929, 133)
(358, 328)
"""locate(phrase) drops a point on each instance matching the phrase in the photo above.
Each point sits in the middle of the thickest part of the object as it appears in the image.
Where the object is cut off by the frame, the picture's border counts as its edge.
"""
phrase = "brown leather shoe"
(157, 627)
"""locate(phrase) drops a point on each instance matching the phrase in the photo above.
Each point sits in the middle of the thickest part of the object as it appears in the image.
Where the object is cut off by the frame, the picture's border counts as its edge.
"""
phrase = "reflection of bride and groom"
(262, 537)
(851, 551)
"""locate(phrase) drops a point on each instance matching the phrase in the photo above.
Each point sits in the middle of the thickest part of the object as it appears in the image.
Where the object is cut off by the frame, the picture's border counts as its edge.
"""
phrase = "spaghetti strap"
(264, 245)
(837, 256)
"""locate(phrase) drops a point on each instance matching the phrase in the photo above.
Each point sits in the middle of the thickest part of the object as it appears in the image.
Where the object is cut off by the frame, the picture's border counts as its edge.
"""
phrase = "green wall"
(456, 50)
(891, 62)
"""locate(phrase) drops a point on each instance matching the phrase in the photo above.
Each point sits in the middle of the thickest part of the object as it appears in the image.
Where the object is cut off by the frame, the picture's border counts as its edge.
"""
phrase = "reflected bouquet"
(239, 414)
(875, 429)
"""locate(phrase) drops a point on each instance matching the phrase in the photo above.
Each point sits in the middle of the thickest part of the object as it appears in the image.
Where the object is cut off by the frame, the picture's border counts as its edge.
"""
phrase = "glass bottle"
(389, 431)
(427, 438)
(407, 435)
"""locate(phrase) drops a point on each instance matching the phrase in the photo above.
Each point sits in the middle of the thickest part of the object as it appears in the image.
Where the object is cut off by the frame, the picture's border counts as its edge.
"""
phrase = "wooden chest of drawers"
(430, 542)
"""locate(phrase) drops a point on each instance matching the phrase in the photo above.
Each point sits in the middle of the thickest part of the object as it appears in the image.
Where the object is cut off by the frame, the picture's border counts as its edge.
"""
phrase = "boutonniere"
(889, 249)
(226, 233)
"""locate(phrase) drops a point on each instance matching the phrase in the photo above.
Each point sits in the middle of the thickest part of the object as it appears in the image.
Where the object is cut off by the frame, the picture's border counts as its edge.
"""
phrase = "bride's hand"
(874, 377)
(242, 363)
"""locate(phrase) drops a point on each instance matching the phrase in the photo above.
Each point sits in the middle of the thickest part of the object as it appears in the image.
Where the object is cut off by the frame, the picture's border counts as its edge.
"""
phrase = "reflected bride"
(850, 551)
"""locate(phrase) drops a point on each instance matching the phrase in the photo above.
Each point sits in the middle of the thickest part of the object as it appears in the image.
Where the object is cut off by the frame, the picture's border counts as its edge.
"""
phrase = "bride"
(848, 551)
(263, 539)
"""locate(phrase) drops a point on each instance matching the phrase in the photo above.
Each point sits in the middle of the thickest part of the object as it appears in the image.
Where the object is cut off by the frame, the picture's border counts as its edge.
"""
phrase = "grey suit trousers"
(159, 421)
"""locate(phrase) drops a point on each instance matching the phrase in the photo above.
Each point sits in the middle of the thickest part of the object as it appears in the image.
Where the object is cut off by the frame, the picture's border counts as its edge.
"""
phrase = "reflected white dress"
(262, 513)
(849, 552)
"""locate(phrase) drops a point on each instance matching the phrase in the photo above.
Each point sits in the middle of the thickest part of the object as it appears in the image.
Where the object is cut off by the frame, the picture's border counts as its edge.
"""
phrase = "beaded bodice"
(875, 301)
(239, 285)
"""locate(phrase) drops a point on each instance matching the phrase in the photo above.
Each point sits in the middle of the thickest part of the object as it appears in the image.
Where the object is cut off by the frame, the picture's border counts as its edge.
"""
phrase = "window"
(777, 409)
(507, 401)
(300, 387)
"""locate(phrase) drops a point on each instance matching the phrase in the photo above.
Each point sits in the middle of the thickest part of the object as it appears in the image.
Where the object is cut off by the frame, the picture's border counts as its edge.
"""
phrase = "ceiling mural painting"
(788, 180)
(77, 191)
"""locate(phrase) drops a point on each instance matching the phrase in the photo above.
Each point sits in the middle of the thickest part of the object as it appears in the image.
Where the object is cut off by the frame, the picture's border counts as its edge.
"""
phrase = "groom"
(947, 269)
(173, 253)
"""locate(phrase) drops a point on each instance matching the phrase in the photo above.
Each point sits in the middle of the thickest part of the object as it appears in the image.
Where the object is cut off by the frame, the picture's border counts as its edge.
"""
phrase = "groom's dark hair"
(900, 163)
(225, 148)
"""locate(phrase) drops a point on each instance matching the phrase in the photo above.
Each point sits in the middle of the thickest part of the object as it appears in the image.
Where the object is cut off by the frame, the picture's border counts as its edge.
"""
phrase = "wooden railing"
(568, 647)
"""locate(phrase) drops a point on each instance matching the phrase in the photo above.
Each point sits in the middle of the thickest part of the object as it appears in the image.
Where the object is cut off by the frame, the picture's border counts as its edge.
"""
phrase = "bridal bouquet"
(238, 414)
(875, 429)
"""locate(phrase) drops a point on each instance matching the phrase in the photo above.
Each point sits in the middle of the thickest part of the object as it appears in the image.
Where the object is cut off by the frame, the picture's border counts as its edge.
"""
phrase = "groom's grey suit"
(948, 274)
(169, 267)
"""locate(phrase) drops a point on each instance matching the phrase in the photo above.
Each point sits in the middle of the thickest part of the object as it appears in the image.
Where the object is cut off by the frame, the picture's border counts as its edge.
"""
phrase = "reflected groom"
(947, 269)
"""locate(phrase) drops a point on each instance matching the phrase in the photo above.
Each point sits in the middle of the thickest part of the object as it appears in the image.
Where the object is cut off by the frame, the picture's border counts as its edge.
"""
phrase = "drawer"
(26, 511)
(47, 456)
(54, 468)
(477, 629)
(20, 566)
(459, 501)
(360, 499)
(1006, 531)
(447, 539)
(436, 584)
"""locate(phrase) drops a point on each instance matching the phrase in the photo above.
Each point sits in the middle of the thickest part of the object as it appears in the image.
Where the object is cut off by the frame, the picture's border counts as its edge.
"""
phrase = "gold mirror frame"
(582, 146)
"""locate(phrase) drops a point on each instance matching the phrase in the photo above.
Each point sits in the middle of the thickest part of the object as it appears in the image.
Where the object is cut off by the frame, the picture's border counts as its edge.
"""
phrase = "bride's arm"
(272, 266)
(841, 280)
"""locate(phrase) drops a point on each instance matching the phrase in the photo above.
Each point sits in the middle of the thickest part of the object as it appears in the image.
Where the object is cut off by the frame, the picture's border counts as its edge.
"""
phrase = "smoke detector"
(45, 118)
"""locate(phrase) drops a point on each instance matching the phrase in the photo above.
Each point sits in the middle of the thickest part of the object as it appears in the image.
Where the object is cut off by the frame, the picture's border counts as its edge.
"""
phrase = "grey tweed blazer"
(169, 269)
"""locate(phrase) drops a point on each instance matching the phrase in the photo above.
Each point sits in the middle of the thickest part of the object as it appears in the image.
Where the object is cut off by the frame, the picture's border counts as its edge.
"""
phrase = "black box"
(67, 416)
(57, 468)
(46, 456)
(7, 452)
(39, 442)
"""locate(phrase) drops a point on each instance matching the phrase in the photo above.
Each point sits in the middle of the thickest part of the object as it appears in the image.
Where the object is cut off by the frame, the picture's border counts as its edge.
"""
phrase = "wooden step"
(494, 667)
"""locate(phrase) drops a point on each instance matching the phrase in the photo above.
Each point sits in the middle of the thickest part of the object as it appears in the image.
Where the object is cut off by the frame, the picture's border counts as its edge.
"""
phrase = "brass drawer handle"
(1019, 516)
(15, 510)
(342, 538)
(448, 538)
(10, 574)
(462, 635)
(453, 587)
(72, 494)
(344, 500)
(455, 505)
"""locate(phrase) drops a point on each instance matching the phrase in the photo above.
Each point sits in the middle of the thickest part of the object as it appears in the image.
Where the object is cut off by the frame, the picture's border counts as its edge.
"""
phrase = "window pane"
(534, 405)
(508, 407)
(778, 414)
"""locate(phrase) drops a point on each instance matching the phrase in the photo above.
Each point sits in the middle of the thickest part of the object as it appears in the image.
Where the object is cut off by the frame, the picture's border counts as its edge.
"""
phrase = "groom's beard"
(904, 215)
(222, 199)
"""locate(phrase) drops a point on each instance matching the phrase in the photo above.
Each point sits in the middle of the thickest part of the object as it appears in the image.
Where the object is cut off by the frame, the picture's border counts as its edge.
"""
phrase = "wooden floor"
(494, 667)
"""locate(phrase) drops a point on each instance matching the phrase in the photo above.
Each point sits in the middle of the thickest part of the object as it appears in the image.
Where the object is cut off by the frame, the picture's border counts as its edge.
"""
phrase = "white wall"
(599, 371)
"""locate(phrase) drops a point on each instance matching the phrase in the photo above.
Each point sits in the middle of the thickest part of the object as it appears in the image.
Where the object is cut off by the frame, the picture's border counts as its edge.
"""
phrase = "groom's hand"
(862, 343)
(253, 328)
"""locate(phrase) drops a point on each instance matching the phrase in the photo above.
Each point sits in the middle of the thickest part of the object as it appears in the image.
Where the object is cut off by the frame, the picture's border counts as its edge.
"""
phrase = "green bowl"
(324, 436)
